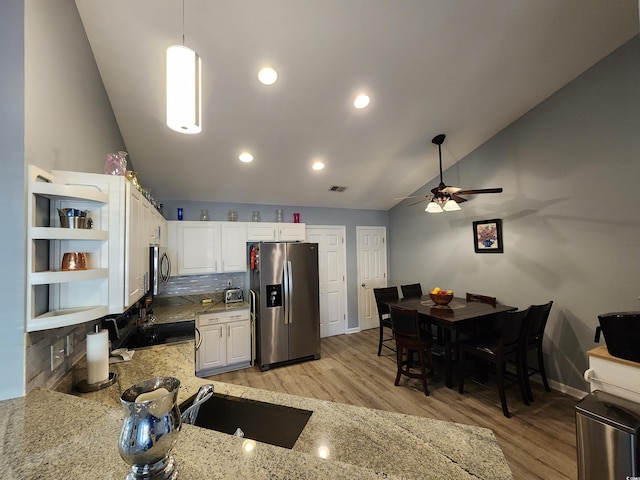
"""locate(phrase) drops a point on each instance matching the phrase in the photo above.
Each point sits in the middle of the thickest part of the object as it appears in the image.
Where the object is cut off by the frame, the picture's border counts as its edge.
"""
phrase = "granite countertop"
(54, 435)
(188, 307)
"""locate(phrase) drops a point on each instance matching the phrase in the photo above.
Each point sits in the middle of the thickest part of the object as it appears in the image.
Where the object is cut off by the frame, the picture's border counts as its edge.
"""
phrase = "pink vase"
(116, 163)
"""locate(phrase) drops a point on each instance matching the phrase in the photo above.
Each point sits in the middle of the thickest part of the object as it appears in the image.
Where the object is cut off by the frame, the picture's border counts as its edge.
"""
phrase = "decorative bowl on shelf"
(441, 299)
(74, 261)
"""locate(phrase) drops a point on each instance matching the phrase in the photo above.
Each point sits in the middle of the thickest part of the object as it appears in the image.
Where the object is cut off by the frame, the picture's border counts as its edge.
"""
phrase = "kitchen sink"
(264, 422)
(160, 334)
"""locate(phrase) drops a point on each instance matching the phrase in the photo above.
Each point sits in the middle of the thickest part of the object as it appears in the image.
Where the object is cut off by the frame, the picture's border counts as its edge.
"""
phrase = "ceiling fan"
(446, 197)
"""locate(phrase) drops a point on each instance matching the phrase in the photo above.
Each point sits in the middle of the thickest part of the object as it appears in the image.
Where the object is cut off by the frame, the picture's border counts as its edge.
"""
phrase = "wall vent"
(336, 188)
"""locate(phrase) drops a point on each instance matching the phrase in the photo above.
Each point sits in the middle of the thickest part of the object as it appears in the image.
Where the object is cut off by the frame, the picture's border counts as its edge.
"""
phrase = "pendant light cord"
(440, 156)
(183, 23)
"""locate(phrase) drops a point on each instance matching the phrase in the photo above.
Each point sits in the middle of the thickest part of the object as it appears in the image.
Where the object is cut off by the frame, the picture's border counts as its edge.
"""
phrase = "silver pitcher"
(150, 429)
(151, 426)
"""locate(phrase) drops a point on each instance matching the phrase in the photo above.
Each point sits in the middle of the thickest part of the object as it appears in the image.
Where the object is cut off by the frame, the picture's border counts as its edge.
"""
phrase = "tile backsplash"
(38, 344)
(201, 284)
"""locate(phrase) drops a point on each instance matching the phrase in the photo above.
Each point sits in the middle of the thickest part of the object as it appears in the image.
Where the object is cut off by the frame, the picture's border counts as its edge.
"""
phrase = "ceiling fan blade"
(416, 203)
(480, 190)
(457, 199)
(451, 190)
(412, 196)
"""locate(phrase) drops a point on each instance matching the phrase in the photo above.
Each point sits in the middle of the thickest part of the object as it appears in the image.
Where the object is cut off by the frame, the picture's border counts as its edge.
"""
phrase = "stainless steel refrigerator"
(285, 302)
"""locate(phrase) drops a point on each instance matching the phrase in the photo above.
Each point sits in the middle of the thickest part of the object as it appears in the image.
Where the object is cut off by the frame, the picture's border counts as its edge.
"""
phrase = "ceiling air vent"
(336, 188)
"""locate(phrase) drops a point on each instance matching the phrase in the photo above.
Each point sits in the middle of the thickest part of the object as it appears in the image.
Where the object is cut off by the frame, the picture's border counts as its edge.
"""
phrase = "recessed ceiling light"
(318, 165)
(267, 76)
(361, 101)
(246, 157)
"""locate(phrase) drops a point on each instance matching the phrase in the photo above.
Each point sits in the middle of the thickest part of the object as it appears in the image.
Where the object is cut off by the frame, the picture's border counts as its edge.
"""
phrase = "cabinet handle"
(220, 333)
(228, 330)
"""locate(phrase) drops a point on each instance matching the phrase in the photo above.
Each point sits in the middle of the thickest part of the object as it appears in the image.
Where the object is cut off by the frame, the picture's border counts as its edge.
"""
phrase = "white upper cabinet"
(233, 246)
(128, 223)
(198, 247)
(208, 247)
(291, 232)
(274, 232)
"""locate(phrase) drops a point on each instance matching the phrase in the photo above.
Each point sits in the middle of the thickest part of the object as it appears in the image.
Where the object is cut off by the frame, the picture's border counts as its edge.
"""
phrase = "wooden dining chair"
(411, 290)
(497, 352)
(382, 296)
(476, 297)
(536, 323)
(411, 338)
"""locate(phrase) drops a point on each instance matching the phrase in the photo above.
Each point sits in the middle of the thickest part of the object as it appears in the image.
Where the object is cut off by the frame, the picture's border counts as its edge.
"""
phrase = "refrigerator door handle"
(290, 289)
(285, 294)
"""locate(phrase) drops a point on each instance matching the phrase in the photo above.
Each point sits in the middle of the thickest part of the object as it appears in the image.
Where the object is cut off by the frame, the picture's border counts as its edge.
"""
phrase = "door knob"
(363, 285)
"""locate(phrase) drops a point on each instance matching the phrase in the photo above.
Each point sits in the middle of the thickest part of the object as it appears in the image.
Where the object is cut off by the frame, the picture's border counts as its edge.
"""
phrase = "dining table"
(458, 315)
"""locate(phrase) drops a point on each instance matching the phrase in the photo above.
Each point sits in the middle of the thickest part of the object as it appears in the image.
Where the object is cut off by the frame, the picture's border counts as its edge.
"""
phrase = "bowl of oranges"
(441, 297)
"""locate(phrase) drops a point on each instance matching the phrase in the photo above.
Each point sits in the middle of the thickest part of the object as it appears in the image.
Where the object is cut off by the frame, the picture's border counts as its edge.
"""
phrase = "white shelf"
(41, 278)
(64, 317)
(60, 191)
(53, 233)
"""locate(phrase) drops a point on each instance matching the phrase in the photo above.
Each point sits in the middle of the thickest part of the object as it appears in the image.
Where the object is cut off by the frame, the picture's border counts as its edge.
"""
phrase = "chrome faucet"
(190, 414)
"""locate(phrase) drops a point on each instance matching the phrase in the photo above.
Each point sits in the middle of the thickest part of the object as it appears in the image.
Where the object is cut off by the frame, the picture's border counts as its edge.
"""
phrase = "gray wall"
(570, 169)
(311, 216)
(12, 293)
(55, 114)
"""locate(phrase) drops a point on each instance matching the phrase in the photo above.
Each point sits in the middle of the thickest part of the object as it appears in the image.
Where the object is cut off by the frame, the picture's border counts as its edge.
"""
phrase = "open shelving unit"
(58, 298)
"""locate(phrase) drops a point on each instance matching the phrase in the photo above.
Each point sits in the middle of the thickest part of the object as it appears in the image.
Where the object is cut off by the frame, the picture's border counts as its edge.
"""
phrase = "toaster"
(233, 295)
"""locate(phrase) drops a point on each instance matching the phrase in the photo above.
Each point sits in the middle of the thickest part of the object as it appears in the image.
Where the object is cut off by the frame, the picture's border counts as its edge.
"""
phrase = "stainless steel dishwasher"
(607, 430)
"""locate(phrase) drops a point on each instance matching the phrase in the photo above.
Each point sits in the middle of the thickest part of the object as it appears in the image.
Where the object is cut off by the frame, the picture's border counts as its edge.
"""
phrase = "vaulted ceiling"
(460, 67)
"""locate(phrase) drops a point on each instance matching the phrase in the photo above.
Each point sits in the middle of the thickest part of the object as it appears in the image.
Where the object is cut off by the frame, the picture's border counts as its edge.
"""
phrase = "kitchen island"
(51, 434)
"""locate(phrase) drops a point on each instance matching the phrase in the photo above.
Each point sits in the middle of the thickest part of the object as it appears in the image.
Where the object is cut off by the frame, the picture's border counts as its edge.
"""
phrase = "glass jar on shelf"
(256, 216)
(204, 215)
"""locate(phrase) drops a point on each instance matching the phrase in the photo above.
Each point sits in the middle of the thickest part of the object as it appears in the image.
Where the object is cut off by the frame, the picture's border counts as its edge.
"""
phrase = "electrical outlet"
(57, 354)
(69, 344)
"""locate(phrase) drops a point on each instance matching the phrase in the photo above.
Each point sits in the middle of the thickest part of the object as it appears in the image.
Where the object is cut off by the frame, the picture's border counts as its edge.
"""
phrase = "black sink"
(161, 334)
(260, 421)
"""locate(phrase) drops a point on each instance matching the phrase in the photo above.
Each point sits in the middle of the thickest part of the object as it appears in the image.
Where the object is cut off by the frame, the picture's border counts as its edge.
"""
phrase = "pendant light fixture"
(184, 82)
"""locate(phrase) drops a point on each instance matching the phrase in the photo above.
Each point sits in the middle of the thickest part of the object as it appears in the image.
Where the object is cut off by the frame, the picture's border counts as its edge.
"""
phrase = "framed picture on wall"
(487, 236)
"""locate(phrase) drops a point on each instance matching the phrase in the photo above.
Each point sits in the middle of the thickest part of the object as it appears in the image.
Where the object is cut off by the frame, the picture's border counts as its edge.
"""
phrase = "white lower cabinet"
(223, 342)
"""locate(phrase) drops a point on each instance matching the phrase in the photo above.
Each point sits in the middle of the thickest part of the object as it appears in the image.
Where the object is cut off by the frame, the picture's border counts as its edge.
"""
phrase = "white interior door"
(333, 284)
(372, 272)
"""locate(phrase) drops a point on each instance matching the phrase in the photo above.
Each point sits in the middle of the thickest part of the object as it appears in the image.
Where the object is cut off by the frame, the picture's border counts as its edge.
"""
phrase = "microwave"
(159, 268)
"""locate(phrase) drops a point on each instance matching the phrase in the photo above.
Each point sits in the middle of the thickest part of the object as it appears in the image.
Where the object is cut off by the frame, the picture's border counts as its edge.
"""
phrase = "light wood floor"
(538, 441)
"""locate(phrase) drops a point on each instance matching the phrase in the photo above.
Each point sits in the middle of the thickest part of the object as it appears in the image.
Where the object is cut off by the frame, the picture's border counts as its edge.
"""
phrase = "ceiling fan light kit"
(445, 198)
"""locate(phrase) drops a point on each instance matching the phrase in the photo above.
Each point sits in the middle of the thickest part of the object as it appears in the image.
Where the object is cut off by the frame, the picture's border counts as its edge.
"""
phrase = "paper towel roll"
(97, 357)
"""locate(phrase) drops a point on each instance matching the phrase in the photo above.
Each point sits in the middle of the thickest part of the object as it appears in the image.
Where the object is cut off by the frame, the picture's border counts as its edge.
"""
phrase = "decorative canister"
(256, 216)
(232, 216)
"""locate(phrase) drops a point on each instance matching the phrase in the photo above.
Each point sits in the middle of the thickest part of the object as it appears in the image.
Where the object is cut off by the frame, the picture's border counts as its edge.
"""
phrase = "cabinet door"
(234, 247)
(262, 232)
(291, 232)
(198, 248)
(238, 342)
(212, 351)
(133, 264)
